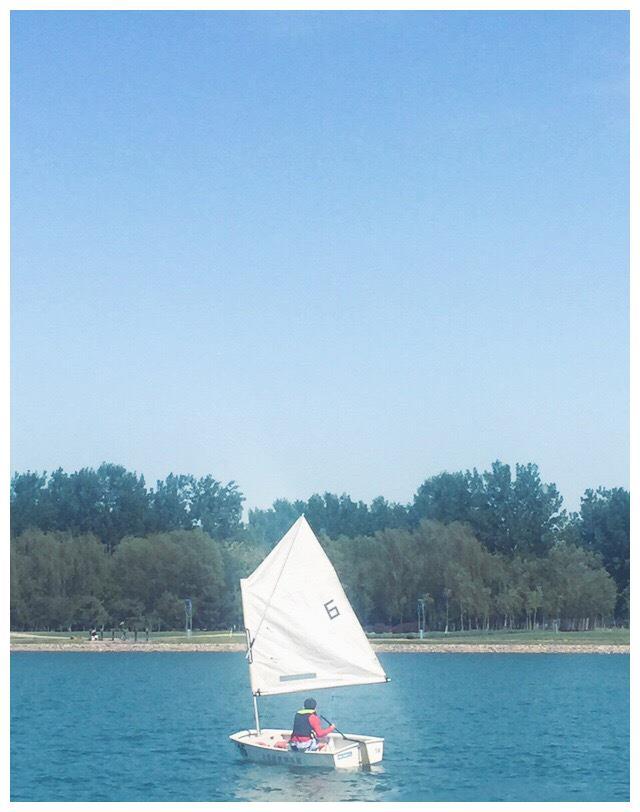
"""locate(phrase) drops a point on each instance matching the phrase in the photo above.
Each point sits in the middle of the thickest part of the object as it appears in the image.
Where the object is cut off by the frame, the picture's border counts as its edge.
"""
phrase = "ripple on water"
(491, 728)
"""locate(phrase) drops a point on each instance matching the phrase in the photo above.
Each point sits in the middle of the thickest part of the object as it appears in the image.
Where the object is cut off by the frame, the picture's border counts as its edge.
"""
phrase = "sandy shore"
(408, 648)
(501, 648)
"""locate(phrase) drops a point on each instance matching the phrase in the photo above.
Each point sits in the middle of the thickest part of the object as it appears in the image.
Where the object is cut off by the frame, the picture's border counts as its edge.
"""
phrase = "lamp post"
(421, 617)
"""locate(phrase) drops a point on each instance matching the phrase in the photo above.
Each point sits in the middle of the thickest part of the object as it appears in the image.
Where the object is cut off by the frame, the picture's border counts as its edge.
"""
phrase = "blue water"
(457, 727)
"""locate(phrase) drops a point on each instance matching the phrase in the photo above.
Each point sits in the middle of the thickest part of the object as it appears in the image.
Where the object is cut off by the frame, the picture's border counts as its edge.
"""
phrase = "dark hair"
(310, 704)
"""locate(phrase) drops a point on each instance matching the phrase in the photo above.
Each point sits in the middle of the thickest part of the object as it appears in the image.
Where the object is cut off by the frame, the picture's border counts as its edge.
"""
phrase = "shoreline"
(118, 646)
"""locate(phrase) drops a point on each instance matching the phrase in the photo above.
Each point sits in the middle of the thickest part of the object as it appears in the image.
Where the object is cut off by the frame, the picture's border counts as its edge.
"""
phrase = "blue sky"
(321, 251)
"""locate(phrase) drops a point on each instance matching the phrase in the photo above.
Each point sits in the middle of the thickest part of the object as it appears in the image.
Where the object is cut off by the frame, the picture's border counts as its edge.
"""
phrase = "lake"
(457, 727)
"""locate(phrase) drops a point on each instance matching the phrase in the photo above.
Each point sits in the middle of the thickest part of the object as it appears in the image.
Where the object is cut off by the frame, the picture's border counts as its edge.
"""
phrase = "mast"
(255, 698)
(255, 710)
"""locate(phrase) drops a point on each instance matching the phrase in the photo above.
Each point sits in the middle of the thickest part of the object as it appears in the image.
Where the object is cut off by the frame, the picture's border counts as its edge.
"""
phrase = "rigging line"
(275, 586)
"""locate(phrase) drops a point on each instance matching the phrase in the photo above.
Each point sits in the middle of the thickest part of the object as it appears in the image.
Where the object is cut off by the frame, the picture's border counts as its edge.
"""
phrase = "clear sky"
(321, 251)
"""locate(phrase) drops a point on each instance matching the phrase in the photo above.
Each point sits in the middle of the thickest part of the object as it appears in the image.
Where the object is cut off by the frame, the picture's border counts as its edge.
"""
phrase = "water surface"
(457, 727)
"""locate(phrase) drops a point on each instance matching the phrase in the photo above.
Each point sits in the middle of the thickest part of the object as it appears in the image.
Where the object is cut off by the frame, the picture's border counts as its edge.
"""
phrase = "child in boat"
(308, 733)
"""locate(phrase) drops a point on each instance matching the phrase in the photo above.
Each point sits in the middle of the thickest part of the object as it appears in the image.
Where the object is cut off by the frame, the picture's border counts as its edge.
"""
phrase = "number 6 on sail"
(302, 634)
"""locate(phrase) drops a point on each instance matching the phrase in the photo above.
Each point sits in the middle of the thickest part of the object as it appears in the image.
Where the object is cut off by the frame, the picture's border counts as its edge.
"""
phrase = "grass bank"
(606, 641)
(605, 637)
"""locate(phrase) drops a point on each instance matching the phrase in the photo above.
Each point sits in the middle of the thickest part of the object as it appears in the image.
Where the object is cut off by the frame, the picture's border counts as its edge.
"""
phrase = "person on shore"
(308, 733)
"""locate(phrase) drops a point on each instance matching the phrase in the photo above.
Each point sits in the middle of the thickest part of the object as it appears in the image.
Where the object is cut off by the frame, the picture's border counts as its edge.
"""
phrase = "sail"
(303, 632)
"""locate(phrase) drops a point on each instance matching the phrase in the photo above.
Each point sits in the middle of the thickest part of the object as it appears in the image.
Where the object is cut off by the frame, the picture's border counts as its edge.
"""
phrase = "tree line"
(112, 503)
(482, 550)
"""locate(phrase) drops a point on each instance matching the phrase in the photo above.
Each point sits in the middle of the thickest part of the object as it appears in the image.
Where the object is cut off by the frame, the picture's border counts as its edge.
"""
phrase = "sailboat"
(303, 635)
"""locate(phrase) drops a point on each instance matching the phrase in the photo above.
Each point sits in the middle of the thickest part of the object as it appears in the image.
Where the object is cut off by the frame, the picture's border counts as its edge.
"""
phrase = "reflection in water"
(262, 782)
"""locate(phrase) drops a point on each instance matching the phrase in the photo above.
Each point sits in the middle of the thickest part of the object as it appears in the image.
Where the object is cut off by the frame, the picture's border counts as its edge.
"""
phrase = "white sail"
(303, 632)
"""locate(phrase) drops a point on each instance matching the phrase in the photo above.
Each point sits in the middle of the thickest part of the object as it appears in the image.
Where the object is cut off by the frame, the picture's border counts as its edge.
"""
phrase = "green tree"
(266, 527)
(605, 530)
(443, 498)
(108, 503)
(536, 515)
(240, 558)
(27, 500)
(180, 563)
(385, 515)
(170, 504)
(54, 576)
(507, 514)
(576, 588)
(217, 508)
(123, 504)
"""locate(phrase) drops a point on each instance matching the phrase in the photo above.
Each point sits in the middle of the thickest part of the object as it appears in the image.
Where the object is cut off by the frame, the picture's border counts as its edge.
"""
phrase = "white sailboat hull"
(341, 753)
